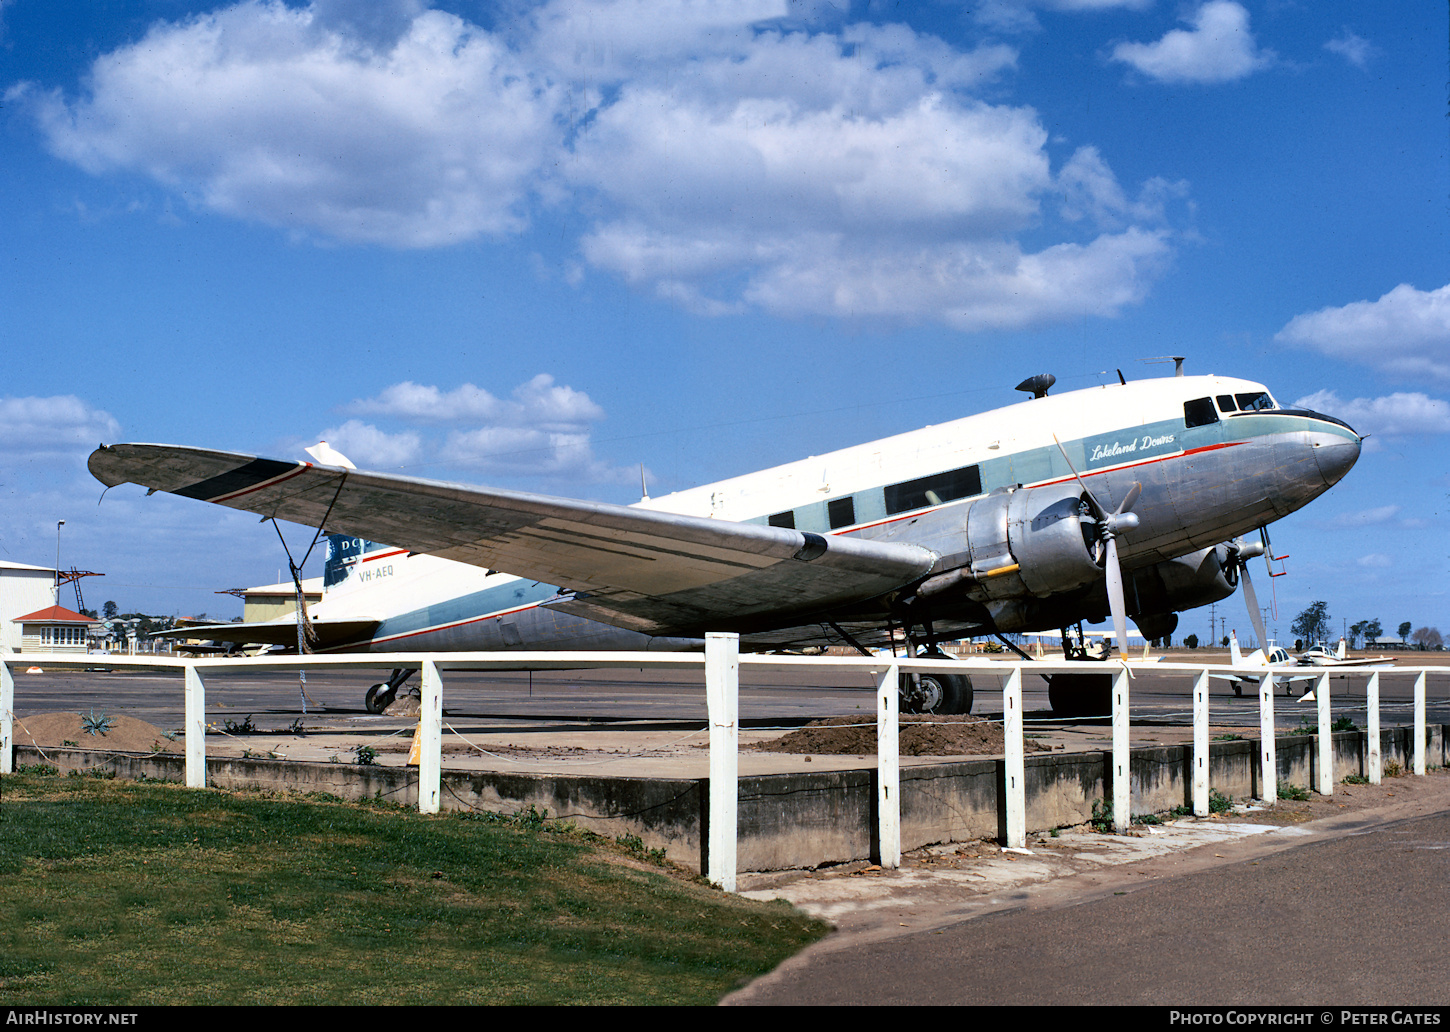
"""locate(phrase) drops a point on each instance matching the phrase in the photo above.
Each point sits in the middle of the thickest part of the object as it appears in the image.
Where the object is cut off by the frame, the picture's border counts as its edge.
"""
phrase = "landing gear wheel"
(936, 693)
(1081, 695)
(380, 697)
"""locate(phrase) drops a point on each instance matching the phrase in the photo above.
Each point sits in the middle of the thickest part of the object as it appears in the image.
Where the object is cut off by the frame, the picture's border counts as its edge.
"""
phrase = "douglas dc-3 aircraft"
(1129, 499)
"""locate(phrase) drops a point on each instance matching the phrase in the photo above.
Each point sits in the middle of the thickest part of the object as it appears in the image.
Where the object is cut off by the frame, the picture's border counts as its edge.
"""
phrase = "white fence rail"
(722, 662)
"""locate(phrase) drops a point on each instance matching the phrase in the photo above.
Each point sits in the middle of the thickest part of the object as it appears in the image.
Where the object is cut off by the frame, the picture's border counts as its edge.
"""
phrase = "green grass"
(116, 892)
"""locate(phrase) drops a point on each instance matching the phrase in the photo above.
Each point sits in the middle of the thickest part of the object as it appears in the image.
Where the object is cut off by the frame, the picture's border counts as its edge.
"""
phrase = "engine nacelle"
(1021, 542)
(1197, 579)
(1153, 594)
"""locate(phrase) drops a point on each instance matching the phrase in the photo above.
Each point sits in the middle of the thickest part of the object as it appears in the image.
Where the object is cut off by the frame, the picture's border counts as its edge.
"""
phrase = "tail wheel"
(380, 697)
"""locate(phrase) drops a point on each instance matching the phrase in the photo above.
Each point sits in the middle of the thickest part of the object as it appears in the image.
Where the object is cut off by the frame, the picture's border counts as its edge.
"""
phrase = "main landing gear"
(381, 695)
(936, 693)
(942, 694)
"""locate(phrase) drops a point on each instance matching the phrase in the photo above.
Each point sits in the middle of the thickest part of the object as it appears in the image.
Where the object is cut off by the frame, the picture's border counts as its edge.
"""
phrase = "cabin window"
(1256, 402)
(841, 512)
(1226, 403)
(934, 490)
(1199, 412)
(784, 519)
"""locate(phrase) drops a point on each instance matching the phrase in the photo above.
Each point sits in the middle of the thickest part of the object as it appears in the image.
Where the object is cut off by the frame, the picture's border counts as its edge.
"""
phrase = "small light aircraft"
(1129, 499)
(1321, 655)
(1273, 657)
(1283, 665)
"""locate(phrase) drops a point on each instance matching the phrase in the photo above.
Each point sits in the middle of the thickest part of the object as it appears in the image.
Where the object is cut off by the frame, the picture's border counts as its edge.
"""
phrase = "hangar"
(24, 591)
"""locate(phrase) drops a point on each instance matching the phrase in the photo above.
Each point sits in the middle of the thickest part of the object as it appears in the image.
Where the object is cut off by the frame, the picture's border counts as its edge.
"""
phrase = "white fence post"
(1326, 739)
(888, 766)
(722, 696)
(1268, 760)
(1420, 724)
(1122, 786)
(7, 718)
(1015, 781)
(430, 755)
(1372, 703)
(1200, 745)
(195, 728)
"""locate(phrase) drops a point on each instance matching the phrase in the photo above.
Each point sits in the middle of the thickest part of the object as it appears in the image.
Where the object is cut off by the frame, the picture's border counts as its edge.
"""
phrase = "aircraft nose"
(1336, 454)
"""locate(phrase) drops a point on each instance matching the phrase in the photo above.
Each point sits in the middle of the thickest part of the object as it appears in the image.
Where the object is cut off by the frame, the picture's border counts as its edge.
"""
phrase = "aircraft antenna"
(643, 490)
(1038, 385)
(1177, 361)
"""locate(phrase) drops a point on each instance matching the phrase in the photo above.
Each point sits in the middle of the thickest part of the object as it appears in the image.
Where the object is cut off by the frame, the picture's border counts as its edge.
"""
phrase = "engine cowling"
(1021, 542)
(1154, 595)
(1197, 579)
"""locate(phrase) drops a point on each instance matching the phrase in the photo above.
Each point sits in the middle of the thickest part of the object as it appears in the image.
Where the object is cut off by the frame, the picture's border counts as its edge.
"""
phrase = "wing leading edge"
(656, 572)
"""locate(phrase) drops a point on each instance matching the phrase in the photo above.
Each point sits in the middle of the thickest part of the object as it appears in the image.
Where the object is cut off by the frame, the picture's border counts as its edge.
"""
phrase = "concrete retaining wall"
(799, 820)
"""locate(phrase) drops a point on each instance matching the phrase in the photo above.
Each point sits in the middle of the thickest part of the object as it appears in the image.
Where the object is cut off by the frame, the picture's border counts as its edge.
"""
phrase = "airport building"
(56, 629)
(23, 590)
(31, 620)
(271, 601)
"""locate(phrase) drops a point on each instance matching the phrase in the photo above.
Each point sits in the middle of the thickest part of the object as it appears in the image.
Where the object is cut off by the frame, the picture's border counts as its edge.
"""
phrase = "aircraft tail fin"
(1235, 657)
(344, 568)
(1340, 651)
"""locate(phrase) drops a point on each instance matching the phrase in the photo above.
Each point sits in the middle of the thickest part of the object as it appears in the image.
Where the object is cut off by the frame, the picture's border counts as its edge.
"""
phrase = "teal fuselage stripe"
(488, 602)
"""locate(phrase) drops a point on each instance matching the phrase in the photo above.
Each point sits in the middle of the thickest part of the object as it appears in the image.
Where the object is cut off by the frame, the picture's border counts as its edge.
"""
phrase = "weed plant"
(119, 893)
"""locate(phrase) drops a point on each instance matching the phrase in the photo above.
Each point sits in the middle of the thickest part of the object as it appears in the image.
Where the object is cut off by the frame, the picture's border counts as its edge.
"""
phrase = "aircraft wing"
(1281, 676)
(656, 572)
(283, 631)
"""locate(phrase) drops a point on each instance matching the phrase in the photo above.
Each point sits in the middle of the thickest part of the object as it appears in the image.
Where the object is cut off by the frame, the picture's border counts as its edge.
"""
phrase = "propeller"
(1110, 525)
(1240, 552)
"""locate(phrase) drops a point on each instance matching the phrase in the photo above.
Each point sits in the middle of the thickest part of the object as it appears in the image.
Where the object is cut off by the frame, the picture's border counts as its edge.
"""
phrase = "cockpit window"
(1226, 403)
(1255, 402)
(1199, 412)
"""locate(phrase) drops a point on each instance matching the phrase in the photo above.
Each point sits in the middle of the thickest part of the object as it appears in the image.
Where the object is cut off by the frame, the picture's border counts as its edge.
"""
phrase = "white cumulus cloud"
(540, 402)
(1218, 48)
(48, 426)
(269, 113)
(542, 429)
(1355, 49)
(368, 447)
(1021, 15)
(1393, 414)
(725, 156)
(1406, 332)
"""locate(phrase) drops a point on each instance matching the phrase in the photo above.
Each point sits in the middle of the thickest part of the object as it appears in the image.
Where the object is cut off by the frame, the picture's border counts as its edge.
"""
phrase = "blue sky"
(540, 244)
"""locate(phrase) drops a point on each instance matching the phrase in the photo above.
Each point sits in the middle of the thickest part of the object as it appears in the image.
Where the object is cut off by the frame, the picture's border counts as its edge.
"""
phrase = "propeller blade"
(1251, 599)
(1099, 513)
(1115, 595)
(1111, 524)
(1131, 499)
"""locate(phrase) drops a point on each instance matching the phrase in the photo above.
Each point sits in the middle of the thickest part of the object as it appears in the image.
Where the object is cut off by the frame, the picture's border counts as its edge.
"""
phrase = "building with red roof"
(54, 629)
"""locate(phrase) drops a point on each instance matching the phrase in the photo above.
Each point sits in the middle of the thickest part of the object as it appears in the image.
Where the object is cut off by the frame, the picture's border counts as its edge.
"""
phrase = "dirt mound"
(918, 736)
(123, 734)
